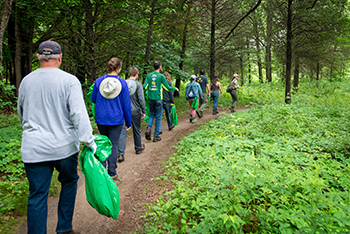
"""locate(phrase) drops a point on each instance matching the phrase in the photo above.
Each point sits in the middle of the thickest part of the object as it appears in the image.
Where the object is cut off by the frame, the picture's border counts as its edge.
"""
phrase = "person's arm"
(145, 85)
(171, 94)
(186, 91)
(126, 104)
(166, 86)
(208, 89)
(220, 88)
(141, 98)
(94, 94)
(79, 116)
(19, 106)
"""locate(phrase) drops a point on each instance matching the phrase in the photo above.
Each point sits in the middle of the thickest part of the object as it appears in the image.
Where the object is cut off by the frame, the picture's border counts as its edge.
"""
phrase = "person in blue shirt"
(193, 91)
(112, 107)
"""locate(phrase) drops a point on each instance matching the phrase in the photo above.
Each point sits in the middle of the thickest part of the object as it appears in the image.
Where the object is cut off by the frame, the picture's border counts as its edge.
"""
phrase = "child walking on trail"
(192, 92)
(215, 87)
(168, 101)
(234, 96)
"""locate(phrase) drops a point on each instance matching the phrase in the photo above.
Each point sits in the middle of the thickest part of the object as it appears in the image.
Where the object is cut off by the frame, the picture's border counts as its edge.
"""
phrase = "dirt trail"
(137, 187)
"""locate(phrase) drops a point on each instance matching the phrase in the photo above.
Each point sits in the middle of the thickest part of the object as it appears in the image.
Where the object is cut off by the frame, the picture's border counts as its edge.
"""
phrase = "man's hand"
(176, 89)
(93, 147)
(128, 128)
(143, 116)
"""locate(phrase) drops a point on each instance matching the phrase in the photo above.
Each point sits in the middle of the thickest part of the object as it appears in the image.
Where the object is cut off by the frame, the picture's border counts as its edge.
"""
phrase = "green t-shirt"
(155, 82)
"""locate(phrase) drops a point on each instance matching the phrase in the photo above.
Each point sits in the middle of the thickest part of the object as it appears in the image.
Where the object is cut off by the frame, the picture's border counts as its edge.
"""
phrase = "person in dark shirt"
(168, 101)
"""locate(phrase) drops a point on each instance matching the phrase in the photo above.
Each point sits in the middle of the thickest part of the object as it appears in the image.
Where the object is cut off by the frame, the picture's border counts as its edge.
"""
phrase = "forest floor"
(137, 187)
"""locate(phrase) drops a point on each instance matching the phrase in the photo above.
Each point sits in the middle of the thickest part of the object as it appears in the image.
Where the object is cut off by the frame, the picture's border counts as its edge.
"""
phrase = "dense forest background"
(274, 40)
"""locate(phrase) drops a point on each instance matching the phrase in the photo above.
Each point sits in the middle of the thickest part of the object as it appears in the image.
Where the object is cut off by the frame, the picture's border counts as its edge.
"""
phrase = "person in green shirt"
(154, 83)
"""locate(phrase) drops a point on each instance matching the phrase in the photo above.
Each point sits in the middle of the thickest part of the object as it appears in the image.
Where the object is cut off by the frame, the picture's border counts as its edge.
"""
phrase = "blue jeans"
(216, 98)
(39, 177)
(113, 133)
(136, 130)
(156, 111)
(167, 108)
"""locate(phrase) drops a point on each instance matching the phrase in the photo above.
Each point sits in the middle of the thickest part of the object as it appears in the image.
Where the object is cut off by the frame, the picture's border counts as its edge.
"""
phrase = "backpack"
(191, 93)
(229, 89)
(132, 86)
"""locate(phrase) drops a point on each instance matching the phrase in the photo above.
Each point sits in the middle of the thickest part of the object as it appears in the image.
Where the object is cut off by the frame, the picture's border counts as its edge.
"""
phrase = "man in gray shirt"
(54, 119)
(138, 112)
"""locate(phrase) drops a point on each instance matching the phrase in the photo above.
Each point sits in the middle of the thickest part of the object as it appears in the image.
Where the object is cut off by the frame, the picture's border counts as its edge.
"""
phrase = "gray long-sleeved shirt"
(137, 99)
(52, 112)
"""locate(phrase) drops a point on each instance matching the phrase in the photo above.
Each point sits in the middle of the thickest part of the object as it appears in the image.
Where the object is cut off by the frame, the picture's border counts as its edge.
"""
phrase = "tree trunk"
(18, 52)
(318, 71)
(257, 44)
(27, 34)
(268, 42)
(89, 28)
(242, 69)
(296, 75)
(212, 40)
(6, 8)
(181, 65)
(248, 60)
(149, 40)
(288, 98)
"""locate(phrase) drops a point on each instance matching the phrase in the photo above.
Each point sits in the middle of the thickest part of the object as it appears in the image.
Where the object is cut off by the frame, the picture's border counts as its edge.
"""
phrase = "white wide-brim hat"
(110, 88)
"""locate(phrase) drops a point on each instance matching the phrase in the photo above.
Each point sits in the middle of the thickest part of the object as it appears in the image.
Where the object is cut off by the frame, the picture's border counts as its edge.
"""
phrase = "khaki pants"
(234, 97)
(202, 102)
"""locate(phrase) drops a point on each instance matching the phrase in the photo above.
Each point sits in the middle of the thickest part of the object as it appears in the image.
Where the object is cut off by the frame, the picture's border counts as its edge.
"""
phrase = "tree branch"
(248, 13)
(313, 5)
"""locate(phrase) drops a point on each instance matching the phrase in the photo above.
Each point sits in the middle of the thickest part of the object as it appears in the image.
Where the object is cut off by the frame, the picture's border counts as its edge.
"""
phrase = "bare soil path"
(138, 186)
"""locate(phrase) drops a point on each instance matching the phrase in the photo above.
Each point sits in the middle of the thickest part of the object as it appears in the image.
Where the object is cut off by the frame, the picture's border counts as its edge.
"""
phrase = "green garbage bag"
(174, 116)
(101, 191)
(88, 99)
(195, 103)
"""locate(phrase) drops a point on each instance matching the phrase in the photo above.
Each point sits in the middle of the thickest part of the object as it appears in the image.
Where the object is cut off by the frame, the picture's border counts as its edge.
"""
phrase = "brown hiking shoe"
(148, 133)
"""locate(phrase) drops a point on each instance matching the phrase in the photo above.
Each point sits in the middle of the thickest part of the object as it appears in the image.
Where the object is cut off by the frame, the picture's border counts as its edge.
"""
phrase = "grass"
(265, 170)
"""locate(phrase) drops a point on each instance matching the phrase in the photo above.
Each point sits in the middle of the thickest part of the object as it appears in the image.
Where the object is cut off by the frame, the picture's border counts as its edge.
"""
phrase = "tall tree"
(268, 57)
(5, 12)
(287, 96)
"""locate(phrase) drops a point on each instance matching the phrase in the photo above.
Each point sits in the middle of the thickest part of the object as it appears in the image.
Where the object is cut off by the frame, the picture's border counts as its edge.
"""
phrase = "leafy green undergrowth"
(271, 169)
(14, 187)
